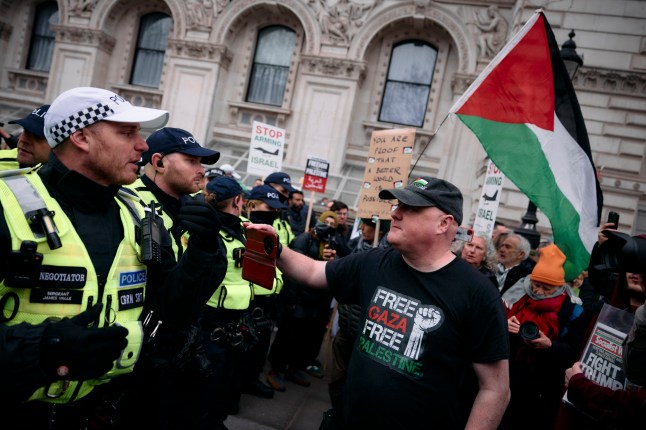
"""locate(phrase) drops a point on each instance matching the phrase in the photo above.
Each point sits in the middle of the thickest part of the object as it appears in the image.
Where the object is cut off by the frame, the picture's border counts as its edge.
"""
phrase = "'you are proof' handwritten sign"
(387, 167)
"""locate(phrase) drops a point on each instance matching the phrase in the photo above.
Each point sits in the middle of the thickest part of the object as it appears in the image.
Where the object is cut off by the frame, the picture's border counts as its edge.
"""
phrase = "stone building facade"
(333, 67)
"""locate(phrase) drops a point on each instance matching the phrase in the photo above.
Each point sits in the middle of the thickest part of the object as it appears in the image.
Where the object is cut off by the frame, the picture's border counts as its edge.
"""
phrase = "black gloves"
(71, 350)
(201, 221)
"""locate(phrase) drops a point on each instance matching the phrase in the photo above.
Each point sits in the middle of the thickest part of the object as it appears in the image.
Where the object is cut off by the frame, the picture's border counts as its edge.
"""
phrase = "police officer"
(69, 241)
(228, 339)
(282, 183)
(263, 207)
(32, 147)
(173, 171)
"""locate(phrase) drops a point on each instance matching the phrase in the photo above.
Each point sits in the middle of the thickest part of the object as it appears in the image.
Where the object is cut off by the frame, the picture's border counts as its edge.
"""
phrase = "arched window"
(408, 84)
(151, 48)
(42, 37)
(270, 68)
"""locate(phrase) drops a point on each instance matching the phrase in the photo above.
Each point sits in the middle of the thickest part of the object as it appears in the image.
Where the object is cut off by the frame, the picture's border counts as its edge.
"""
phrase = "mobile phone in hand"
(259, 262)
(613, 217)
(465, 234)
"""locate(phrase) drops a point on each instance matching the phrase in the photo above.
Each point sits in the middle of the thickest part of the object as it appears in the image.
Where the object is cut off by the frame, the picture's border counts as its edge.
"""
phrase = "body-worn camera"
(528, 331)
(23, 266)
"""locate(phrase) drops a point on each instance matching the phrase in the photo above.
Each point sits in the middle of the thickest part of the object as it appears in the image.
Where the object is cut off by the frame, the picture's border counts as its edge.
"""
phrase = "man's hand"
(328, 253)
(513, 325)
(574, 370)
(602, 238)
(260, 227)
(202, 222)
(542, 342)
(72, 350)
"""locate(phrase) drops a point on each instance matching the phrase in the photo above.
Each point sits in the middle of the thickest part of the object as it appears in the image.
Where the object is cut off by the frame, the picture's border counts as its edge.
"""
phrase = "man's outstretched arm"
(296, 266)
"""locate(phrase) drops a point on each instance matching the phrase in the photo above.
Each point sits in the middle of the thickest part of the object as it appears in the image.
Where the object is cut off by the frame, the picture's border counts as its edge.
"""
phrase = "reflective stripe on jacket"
(67, 282)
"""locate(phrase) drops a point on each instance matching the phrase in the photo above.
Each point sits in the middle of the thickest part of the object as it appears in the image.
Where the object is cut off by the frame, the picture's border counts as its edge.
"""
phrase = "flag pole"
(426, 146)
(309, 211)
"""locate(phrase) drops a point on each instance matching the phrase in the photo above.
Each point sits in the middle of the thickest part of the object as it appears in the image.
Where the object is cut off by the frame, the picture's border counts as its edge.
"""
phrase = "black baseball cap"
(168, 140)
(280, 178)
(429, 192)
(268, 195)
(34, 122)
(224, 188)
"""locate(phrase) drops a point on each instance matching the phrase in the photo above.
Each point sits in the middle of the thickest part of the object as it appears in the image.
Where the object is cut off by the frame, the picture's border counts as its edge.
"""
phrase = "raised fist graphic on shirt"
(426, 318)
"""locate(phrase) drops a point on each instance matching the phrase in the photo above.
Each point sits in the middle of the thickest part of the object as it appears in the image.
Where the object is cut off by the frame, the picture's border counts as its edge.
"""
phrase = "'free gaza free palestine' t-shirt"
(418, 337)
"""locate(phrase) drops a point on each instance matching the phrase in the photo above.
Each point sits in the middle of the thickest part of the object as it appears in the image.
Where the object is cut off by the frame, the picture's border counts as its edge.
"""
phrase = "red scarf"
(544, 313)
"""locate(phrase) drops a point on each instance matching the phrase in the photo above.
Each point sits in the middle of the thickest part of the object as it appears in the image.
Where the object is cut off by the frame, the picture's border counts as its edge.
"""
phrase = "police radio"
(151, 236)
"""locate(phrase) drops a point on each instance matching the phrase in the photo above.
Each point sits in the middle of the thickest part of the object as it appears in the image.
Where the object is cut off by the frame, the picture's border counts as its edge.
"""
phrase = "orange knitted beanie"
(549, 269)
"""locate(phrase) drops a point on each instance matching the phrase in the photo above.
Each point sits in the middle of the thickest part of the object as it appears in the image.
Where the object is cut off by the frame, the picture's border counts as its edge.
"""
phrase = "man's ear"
(80, 139)
(445, 223)
(157, 162)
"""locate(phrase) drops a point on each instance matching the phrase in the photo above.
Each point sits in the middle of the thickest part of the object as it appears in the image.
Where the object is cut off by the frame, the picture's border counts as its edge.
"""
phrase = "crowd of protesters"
(152, 310)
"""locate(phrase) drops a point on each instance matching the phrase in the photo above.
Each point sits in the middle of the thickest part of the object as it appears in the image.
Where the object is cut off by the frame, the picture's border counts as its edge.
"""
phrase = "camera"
(324, 232)
(23, 267)
(329, 239)
(623, 253)
(528, 331)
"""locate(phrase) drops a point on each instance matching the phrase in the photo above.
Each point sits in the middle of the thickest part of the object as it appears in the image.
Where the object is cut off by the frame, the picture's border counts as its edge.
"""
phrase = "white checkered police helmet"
(79, 107)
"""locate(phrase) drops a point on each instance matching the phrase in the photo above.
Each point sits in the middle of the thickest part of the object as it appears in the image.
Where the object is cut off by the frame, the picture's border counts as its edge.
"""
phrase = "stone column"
(192, 72)
(325, 93)
(80, 58)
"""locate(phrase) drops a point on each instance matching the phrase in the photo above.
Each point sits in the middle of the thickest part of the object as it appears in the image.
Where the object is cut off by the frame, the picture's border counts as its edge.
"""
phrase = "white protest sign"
(489, 200)
(266, 149)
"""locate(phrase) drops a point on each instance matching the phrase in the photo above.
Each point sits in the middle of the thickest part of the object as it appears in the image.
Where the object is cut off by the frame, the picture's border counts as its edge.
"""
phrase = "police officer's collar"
(169, 203)
(231, 224)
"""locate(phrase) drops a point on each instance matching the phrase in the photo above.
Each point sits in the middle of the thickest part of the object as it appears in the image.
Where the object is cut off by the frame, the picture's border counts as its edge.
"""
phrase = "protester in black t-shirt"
(433, 345)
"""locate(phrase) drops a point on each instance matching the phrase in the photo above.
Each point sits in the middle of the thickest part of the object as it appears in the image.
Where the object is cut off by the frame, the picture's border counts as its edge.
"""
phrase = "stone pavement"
(297, 408)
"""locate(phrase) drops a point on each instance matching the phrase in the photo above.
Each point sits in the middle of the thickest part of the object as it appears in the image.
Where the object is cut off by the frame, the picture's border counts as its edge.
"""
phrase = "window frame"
(387, 81)
(286, 69)
(138, 49)
(39, 10)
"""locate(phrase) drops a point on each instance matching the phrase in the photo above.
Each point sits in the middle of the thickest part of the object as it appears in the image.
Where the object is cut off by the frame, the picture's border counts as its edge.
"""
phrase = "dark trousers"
(225, 383)
(258, 353)
(341, 352)
(115, 405)
(298, 339)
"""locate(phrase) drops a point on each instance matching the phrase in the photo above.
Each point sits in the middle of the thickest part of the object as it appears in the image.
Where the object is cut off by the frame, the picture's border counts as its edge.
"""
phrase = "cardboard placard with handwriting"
(387, 167)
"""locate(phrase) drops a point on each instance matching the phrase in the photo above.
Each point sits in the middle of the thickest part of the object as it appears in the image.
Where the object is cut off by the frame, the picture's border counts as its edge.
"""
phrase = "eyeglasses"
(405, 208)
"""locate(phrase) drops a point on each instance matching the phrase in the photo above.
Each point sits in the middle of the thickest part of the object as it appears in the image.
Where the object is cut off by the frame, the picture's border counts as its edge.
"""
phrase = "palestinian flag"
(524, 111)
